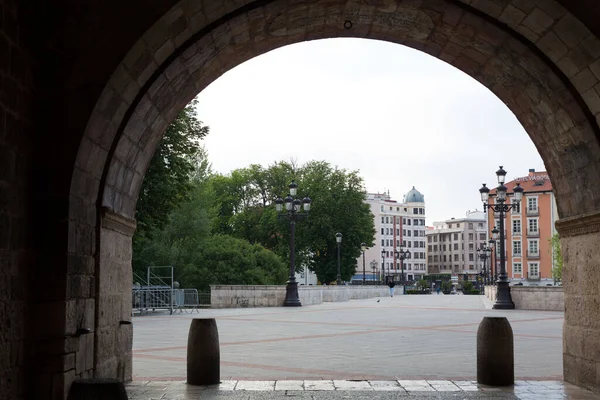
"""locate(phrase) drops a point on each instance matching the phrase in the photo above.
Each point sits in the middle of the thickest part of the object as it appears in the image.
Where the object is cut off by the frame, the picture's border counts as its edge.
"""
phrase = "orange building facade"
(528, 229)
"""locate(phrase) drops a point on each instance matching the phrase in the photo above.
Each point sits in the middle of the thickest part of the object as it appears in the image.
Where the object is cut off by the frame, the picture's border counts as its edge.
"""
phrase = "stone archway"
(536, 57)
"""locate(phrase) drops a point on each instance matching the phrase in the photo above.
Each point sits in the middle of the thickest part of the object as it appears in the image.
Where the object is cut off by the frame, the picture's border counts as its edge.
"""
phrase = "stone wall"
(234, 296)
(17, 225)
(543, 298)
(114, 334)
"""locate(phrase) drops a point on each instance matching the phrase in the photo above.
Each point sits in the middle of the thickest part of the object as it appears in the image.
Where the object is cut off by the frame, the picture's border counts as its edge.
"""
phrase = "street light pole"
(503, 299)
(383, 266)
(373, 268)
(293, 213)
(338, 239)
(363, 247)
(403, 255)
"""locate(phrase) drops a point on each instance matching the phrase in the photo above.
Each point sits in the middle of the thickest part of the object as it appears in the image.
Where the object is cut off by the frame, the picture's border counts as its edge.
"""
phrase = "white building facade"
(452, 245)
(398, 226)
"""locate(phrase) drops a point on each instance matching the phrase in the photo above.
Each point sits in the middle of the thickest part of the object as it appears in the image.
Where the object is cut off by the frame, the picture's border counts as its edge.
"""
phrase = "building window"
(416, 233)
(532, 204)
(516, 226)
(382, 220)
(517, 268)
(444, 249)
(470, 236)
(449, 226)
(456, 257)
(532, 224)
(455, 246)
(533, 247)
(382, 230)
(482, 236)
(398, 242)
(382, 242)
(516, 248)
(456, 236)
(471, 257)
(408, 233)
(415, 210)
(445, 259)
(397, 231)
(480, 225)
(435, 248)
(408, 221)
(534, 270)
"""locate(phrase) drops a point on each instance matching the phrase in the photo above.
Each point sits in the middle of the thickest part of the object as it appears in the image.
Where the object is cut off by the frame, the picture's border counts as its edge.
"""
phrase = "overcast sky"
(399, 116)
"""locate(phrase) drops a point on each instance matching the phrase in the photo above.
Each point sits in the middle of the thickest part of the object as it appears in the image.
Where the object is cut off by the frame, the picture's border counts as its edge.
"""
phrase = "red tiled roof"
(534, 182)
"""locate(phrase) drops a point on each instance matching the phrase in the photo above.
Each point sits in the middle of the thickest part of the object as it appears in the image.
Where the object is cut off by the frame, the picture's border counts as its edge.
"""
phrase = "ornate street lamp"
(383, 266)
(374, 268)
(338, 239)
(403, 255)
(363, 248)
(293, 212)
(484, 254)
(503, 298)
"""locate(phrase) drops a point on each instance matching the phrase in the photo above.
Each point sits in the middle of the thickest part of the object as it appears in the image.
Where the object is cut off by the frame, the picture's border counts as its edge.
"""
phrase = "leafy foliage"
(422, 284)
(557, 257)
(245, 201)
(167, 182)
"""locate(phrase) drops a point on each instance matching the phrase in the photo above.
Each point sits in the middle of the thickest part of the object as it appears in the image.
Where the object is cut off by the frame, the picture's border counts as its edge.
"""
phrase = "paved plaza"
(404, 337)
(405, 346)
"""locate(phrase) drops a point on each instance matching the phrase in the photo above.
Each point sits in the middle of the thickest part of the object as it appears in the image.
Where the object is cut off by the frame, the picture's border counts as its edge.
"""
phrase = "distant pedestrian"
(438, 290)
(391, 285)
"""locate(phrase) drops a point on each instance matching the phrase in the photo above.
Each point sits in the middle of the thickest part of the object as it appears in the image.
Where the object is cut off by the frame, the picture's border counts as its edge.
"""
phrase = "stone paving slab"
(404, 337)
(345, 389)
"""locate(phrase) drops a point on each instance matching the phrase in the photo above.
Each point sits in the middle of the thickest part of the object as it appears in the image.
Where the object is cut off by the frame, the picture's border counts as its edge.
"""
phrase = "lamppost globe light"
(289, 201)
(518, 191)
(278, 204)
(485, 193)
(495, 233)
(306, 203)
(297, 204)
(501, 173)
(293, 188)
(501, 193)
(363, 246)
(338, 237)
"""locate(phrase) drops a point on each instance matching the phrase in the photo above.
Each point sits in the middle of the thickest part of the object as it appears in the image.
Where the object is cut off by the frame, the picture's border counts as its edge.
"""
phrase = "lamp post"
(403, 255)
(492, 269)
(363, 247)
(383, 266)
(338, 239)
(374, 268)
(484, 254)
(293, 213)
(503, 298)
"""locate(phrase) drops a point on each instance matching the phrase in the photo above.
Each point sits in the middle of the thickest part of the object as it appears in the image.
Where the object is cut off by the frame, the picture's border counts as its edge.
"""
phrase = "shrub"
(467, 286)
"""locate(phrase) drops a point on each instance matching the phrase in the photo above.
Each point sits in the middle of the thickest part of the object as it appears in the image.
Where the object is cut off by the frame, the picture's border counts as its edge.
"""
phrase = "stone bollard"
(203, 354)
(97, 389)
(495, 352)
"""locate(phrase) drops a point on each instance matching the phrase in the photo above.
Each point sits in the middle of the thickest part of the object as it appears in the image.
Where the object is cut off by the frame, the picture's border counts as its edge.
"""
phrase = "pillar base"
(291, 295)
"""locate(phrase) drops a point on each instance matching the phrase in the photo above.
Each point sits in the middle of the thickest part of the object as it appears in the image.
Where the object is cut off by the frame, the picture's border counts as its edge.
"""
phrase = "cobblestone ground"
(400, 338)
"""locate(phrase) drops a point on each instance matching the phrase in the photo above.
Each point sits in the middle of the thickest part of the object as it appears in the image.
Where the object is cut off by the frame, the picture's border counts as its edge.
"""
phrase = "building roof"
(414, 196)
(534, 182)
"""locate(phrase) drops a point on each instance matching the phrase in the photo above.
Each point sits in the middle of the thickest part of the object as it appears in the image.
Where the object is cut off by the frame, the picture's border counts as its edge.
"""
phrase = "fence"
(145, 299)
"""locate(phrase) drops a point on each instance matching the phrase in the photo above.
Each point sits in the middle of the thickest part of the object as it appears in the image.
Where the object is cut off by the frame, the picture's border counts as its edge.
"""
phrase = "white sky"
(399, 116)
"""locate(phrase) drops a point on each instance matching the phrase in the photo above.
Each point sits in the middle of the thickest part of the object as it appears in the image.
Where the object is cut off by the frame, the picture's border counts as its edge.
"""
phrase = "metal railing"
(146, 299)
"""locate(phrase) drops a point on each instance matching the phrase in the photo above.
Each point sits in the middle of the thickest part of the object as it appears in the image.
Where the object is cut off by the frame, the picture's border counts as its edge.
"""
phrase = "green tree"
(168, 180)
(556, 258)
(222, 259)
(246, 210)
(176, 175)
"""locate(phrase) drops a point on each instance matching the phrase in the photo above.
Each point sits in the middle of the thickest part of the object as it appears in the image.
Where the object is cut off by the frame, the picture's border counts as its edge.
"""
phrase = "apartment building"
(398, 225)
(528, 229)
(452, 245)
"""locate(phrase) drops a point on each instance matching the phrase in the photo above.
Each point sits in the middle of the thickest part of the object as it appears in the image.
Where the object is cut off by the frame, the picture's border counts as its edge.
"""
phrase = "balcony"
(516, 232)
(533, 233)
(533, 211)
(519, 254)
(533, 254)
(533, 277)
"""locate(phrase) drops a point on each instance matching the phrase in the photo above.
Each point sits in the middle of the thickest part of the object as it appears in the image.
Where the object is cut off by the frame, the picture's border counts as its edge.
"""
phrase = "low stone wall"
(542, 298)
(234, 296)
